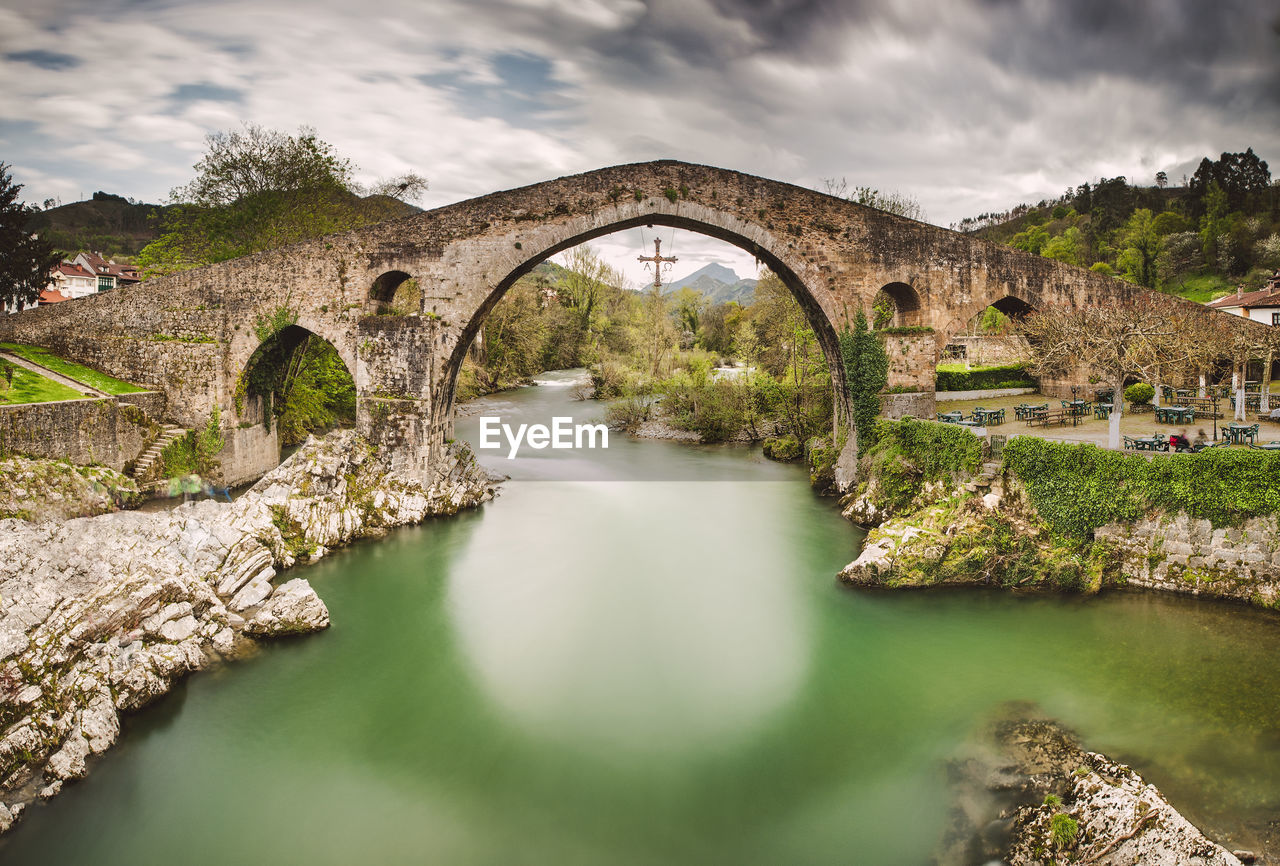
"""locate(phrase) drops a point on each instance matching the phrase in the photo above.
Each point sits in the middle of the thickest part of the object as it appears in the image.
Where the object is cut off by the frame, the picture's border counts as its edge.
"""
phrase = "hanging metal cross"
(658, 260)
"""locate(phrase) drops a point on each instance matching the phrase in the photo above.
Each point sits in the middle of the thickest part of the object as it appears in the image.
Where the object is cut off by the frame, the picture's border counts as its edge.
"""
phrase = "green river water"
(632, 671)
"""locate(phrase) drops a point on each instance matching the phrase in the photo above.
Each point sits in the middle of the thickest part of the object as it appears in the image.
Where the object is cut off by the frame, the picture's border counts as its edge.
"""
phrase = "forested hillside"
(1218, 229)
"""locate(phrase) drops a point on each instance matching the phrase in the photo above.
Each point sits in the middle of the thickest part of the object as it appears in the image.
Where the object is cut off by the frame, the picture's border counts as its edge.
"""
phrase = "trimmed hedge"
(1078, 488)
(938, 450)
(1008, 376)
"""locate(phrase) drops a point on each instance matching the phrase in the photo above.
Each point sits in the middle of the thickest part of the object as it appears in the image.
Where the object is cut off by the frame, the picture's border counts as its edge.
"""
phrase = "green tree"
(25, 260)
(1032, 240)
(1213, 225)
(259, 189)
(690, 305)
(1139, 244)
(1064, 247)
(866, 370)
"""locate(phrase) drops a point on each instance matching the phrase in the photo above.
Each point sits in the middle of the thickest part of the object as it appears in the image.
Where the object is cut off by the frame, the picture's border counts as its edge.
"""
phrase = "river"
(640, 655)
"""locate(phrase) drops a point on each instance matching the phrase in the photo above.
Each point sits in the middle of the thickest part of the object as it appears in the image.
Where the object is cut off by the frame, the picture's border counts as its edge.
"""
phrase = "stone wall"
(913, 359)
(1187, 555)
(993, 350)
(249, 453)
(919, 404)
(109, 431)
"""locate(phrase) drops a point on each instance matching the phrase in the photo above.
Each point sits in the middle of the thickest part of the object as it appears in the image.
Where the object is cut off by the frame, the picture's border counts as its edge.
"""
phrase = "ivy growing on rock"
(1078, 488)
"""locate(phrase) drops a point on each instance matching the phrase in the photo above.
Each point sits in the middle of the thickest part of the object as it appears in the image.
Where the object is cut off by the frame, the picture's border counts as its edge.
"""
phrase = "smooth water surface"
(629, 671)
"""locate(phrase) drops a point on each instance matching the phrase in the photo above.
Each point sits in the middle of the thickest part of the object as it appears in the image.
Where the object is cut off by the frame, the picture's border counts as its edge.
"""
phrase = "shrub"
(628, 412)
(822, 456)
(1008, 376)
(1139, 393)
(1078, 488)
(783, 448)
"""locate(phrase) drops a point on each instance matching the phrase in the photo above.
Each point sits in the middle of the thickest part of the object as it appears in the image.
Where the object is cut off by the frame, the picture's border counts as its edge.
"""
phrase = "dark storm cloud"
(970, 105)
(44, 59)
(1178, 44)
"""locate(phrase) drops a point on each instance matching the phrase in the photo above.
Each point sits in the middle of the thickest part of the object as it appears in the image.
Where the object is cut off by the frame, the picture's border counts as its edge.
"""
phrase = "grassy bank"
(76, 372)
(29, 387)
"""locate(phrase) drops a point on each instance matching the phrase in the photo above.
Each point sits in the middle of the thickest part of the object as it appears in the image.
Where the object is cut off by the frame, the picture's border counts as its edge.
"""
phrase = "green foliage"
(1007, 376)
(628, 412)
(940, 451)
(196, 452)
(1077, 488)
(908, 454)
(1033, 240)
(1139, 243)
(866, 371)
(822, 457)
(1064, 247)
(905, 330)
(783, 448)
(321, 395)
(260, 189)
(267, 326)
(25, 258)
(1064, 829)
(1139, 393)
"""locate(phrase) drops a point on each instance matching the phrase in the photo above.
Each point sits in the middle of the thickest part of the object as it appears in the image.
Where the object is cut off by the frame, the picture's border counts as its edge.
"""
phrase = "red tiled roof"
(72, 270)
(51, 296)
(1245, 299)
(101, 265)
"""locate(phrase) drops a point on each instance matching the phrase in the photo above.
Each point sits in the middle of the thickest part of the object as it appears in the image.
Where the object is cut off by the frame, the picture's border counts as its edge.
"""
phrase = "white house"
(1260, 306)
(73, 281)
(108, 273)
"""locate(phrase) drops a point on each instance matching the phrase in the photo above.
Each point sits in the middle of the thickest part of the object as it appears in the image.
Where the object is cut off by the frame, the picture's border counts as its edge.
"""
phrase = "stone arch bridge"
(193, 334)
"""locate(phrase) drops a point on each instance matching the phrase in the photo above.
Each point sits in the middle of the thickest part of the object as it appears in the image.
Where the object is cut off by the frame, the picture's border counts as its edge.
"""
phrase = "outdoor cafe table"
(951, 417)
(1102, 410)
(1240, 432)
(1183, 414)
(988, 416)
(1269, 446)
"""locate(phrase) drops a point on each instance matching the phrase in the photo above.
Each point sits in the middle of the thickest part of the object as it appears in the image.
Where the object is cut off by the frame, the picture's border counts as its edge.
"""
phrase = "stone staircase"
(147, 459)
(987, 480)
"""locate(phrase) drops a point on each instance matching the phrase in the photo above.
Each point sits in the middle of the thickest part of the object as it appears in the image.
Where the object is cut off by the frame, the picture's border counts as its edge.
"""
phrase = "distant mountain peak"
(714, 270)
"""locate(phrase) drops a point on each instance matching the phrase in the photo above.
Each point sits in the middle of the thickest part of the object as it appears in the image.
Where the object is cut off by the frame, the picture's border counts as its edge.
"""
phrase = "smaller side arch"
(904, 302)
(383, 291)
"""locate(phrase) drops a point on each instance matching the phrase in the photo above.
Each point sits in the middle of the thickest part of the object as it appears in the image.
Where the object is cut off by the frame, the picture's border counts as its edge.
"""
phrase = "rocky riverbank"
(1042, 523)
(44, 490)
(101, 615)
(1029, 795)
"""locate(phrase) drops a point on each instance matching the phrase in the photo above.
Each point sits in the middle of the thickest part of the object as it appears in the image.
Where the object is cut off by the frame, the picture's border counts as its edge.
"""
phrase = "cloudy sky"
(967, 105)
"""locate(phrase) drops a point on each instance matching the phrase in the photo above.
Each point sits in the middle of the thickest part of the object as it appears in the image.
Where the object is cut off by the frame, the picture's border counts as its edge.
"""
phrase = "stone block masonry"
(193, 334)
(111, 431)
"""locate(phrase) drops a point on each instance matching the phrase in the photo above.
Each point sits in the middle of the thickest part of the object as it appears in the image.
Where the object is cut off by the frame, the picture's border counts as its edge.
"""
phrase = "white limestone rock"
(253, 593)
(294, 608)
(68, 762)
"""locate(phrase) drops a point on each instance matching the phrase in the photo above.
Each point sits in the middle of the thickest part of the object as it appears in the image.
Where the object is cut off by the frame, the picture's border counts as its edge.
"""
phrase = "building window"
(105, 283)
(1275, 318)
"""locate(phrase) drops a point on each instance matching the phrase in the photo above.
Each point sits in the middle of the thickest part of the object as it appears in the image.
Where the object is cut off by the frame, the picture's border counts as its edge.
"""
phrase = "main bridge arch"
(792, 267)
(192, 333)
